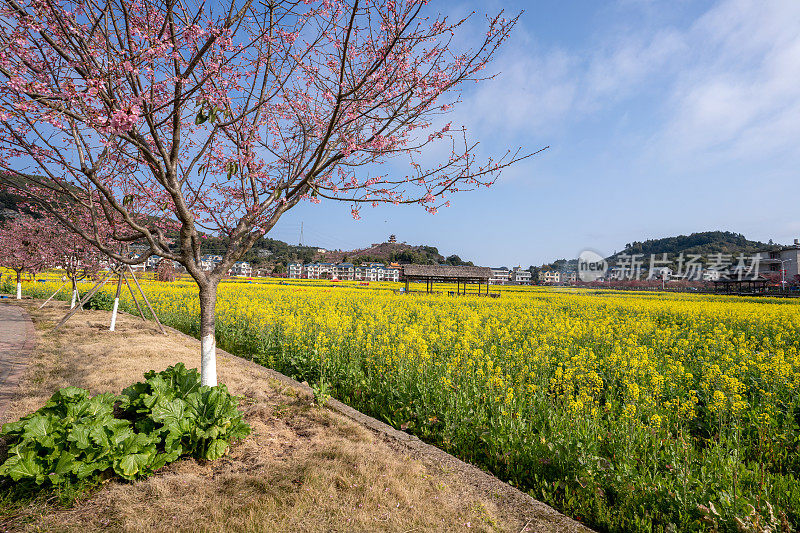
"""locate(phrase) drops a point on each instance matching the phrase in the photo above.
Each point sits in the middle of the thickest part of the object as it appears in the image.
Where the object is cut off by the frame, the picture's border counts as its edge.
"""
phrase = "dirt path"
(17, 340)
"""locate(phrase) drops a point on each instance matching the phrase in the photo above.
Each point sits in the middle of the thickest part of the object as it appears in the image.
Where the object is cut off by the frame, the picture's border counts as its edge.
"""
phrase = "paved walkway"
(17, 340)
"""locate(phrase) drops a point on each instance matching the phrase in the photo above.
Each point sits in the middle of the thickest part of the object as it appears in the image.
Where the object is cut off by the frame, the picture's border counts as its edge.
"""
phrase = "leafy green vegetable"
(190, 419)
(101, 301)
(76, 436)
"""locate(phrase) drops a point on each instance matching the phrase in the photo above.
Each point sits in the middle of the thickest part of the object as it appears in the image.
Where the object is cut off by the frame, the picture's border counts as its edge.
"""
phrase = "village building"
(500, 275)
(208, 261)
(241, 268)
(660, 273)
(549, 276)
(344, 271)
(785, 261)
(294, 270)
(520, 277)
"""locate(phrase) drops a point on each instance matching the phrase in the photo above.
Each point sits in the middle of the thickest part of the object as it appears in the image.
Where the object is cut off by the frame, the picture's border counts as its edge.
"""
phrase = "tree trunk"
(116, 305)
(74, 293)
(19, 285)
(208, 342)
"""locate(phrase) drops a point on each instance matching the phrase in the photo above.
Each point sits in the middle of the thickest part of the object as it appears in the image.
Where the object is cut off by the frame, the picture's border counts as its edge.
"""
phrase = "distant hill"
(11, 203)
(274, 252)
(703, 243)
(392, 252)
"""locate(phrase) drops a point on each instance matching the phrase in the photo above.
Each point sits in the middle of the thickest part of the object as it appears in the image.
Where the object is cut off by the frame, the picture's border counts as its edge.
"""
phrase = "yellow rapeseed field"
(630, 411)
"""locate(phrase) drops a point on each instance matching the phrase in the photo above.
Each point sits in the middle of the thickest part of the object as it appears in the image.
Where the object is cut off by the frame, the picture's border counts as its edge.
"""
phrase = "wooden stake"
(53, 295)
(139, 307)
(136, 281)
(84, 299)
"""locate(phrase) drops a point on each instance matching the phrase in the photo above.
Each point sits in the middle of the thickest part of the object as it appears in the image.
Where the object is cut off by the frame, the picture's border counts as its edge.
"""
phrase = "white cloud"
(739, 97)
(631, 61)
(725, 86)
(532, 91)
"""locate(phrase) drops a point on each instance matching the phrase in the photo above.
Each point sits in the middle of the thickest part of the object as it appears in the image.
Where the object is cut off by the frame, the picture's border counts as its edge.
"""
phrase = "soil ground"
(302, 469)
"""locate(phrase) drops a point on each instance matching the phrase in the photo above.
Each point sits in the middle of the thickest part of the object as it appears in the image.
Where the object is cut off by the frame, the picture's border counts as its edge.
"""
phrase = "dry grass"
(302, 469)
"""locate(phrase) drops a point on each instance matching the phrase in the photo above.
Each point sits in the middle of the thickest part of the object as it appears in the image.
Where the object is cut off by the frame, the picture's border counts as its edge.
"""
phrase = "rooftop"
(450, 272)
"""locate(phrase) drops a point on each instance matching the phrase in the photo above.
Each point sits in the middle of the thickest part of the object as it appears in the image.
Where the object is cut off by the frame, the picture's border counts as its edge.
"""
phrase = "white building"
(371, 272)
(663, 273)
(320, 271)
(360, 273)
(295, 270)
(377, 272)
(345, 271)
(241, 268)
(520, 277)
(391, 274)
(785, 261)
(500, 276)
(208, 262)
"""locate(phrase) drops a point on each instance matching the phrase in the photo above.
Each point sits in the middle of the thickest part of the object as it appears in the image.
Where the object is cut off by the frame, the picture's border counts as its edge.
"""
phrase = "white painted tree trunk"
(19, 290)
(114, 315)
(208, 360)
(74, 295)
(208, 342)
(116, 304)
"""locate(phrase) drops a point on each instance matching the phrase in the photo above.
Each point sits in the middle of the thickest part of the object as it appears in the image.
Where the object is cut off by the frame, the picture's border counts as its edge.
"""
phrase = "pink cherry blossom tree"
(24, 247)
(219, 117)
(78, 258)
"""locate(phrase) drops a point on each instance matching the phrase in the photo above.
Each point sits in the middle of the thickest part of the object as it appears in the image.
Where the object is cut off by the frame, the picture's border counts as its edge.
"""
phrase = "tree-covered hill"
(275, 253)
(702, 243)
(393, 252)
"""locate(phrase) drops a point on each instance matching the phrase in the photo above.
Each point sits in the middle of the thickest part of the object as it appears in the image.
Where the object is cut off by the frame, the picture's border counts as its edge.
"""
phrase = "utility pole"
(783, 273)
(301, 233)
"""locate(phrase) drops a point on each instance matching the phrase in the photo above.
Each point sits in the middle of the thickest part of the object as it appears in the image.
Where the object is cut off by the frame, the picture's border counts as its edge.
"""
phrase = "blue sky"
(662, 117)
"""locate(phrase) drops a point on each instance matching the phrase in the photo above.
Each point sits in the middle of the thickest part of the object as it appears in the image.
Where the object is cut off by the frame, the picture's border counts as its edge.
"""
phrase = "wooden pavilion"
(460, 275)
(743, 285)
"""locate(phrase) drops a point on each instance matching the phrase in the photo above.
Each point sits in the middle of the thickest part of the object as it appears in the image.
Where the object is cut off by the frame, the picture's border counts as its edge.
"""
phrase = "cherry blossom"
(218, 118)
(24, 247)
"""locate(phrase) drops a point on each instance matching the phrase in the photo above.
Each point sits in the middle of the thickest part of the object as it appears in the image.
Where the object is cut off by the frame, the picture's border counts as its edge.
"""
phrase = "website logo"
(591, 266)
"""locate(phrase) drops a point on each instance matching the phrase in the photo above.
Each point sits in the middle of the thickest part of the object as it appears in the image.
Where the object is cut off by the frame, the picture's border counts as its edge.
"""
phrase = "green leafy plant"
(322, 392)
(76, 437)
(7, 285)
(101, 301)
(189, 418)
(303, 366)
